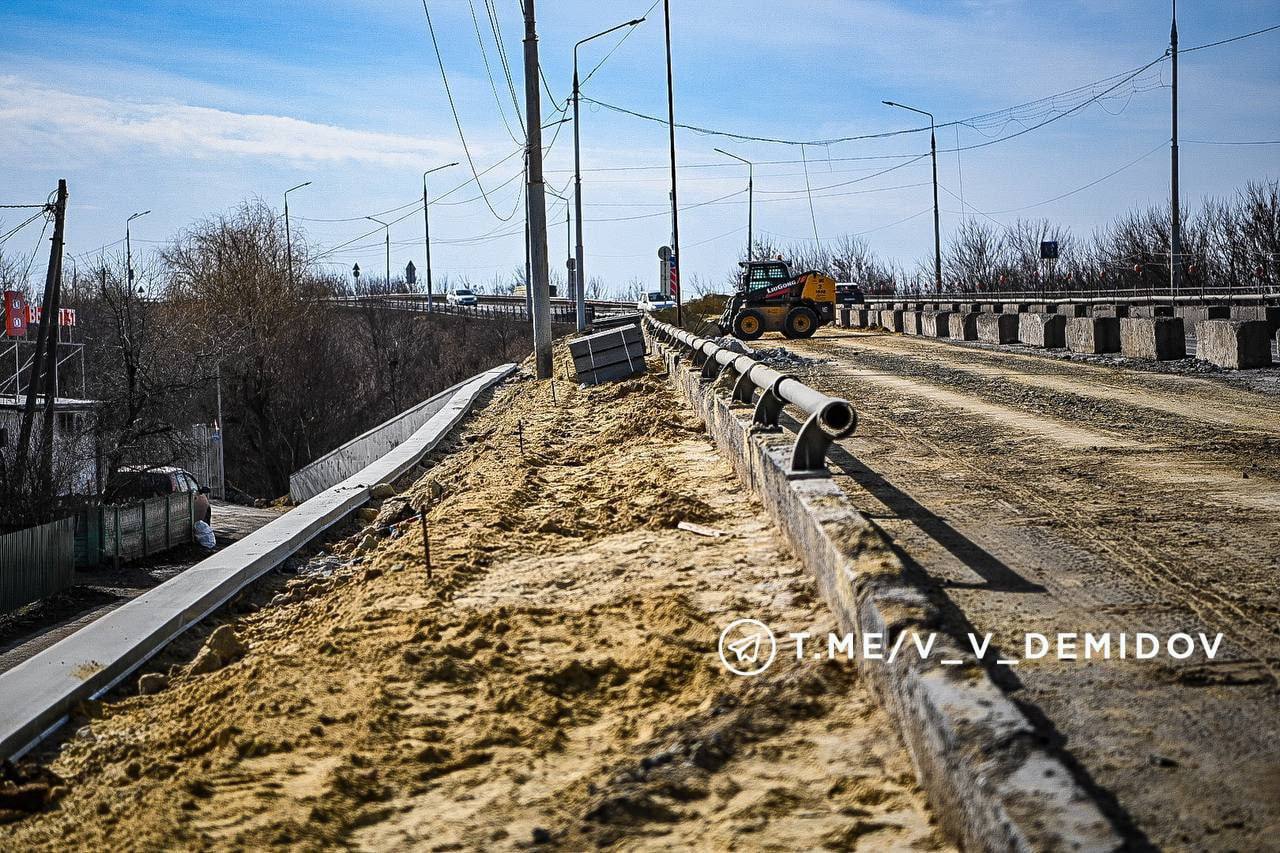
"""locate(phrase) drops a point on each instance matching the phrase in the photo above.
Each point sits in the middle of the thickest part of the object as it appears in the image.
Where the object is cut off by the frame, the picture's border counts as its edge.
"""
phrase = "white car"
(655, 301)
(461, 296)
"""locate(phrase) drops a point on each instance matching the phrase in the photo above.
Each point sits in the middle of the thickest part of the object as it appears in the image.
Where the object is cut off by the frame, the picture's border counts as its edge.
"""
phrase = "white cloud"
(35, 115)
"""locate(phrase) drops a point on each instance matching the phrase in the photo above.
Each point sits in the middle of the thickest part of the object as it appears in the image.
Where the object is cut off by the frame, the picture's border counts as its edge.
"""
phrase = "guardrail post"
(768, 408)
(116, 548)
(145, 550)
(168, 542)
(744, 390)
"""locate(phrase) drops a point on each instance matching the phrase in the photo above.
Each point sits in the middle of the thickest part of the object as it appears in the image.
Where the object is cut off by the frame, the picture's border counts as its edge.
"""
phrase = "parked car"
(136, 483)
(655, 301)
(462, 296)
(849, 294)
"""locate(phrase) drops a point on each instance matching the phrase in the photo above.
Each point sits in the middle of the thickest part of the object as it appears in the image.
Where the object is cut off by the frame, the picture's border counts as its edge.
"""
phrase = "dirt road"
(1043, 495)
(554, 682)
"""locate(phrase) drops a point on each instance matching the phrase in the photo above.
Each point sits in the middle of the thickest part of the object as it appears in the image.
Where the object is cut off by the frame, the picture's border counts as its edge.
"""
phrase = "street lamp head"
(889, 103)
(636, 22)
(136, 215)
(298, 187)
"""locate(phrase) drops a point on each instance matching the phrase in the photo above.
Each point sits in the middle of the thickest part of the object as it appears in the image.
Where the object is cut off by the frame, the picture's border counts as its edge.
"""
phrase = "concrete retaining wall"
(1093, 335)
(39, 692)
(341, 462)
(1236, 344)
(998, 328)
(1153, 338)
(982, 764)
(1042, 329)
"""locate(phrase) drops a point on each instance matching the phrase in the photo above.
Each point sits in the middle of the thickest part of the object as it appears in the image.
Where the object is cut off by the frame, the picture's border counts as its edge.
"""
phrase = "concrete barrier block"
(842, 318)
(1042, 329)
(938, 324)
(859, 318)
(963, 327)
(1093, 335)
(891, 319)
(1111, 310)
(998, 328)
(911, 322)
(1237, 344)
(1154, 338)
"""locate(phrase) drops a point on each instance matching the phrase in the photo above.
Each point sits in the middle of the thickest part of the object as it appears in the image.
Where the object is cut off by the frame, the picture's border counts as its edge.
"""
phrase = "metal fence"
(205, 460)
(135, 531)
(36, 562)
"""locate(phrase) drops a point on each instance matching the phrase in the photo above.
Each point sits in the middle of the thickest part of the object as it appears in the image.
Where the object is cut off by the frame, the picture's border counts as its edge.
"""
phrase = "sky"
(188, 108)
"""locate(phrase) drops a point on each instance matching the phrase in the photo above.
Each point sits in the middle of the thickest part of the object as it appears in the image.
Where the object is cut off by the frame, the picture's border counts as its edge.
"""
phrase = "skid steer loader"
(771, 299)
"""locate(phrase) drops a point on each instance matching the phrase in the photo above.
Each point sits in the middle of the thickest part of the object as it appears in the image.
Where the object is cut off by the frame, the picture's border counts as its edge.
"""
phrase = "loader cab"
(764, 275)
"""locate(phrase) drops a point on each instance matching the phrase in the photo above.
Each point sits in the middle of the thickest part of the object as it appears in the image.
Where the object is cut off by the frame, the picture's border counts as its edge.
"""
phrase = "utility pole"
(675, 207)
(43, 339)
(579, 274)
(387, 227)
(426, 224)
(537, 201)
(128, 251)
(288, 241)
(933, 152)
(1175, 229)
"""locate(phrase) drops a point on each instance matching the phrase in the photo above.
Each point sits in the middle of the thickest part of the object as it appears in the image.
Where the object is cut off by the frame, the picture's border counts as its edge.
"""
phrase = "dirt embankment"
(554, 682)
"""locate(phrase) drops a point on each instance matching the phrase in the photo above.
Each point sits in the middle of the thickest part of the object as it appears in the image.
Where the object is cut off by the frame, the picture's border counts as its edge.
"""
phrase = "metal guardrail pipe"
(827, 418)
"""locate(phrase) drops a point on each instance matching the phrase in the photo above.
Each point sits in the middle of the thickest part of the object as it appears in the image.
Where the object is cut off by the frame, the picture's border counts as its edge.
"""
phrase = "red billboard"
(15, 314)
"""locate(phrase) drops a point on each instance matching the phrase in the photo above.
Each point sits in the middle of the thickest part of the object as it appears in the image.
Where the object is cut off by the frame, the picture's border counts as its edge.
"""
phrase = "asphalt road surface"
(1047, 495)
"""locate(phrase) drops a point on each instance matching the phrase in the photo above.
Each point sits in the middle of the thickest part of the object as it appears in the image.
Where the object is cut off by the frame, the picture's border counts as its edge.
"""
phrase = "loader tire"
(748, 325)
(800, 323)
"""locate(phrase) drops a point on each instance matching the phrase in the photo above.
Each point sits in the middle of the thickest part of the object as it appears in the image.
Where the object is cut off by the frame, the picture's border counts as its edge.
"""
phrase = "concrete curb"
(982, 764)
(342, 462)
(38, 694)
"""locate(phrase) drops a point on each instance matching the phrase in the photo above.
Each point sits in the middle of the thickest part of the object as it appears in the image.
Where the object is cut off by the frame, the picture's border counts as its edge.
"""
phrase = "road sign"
(410, 274)
(1049, 250)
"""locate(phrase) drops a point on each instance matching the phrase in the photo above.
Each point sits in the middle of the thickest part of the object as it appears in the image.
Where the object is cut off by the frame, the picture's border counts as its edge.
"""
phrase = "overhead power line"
(466, 149)
(1046, 105)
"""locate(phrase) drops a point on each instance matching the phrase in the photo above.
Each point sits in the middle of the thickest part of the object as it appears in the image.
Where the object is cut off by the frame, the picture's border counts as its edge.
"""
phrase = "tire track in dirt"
(1025, 527)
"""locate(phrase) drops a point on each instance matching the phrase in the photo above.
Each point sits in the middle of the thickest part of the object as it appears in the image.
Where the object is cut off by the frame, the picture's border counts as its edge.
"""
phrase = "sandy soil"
(1043, 495)
(554, 682)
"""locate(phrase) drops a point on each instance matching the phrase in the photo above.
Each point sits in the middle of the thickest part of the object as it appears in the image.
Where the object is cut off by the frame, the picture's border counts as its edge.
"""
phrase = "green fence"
(36, 562)
(139, 530)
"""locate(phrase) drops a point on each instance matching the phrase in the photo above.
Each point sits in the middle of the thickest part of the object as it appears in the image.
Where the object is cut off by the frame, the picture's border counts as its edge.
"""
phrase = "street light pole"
(750, 193)
(387, 227)
(1175, 230)
(933, 152)
(288, 240)
(579, 277)
(675, 207)
(128, 250)
(426, 223)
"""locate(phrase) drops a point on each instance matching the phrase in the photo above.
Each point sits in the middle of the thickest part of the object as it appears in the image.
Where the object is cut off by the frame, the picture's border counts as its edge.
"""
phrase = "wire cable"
(493, 86)
(458, 122)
